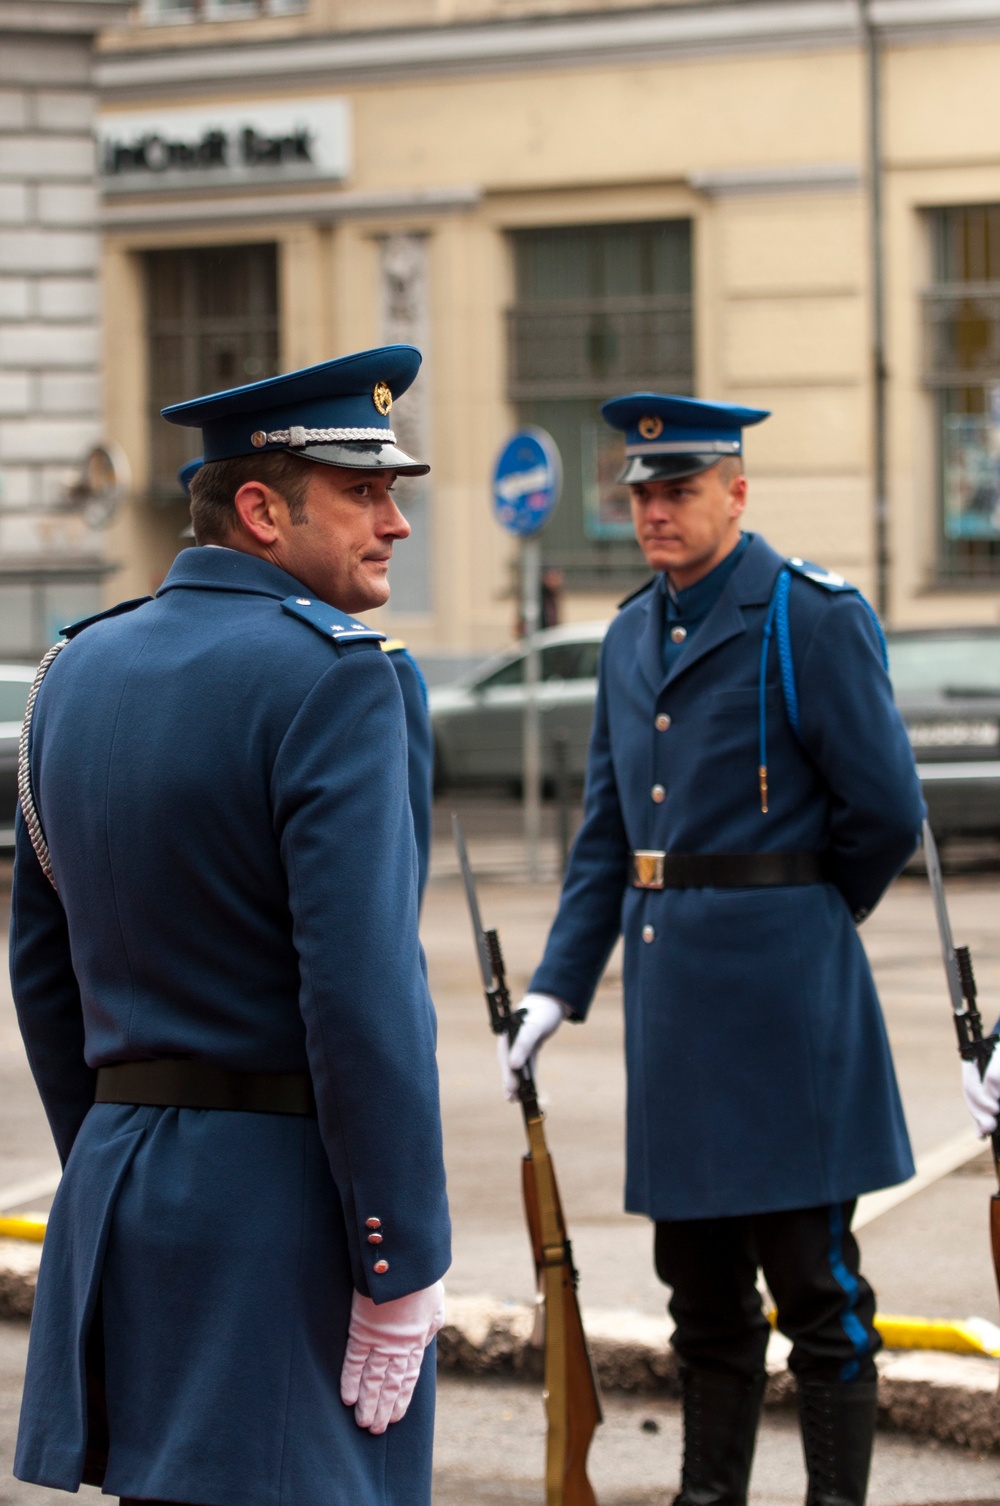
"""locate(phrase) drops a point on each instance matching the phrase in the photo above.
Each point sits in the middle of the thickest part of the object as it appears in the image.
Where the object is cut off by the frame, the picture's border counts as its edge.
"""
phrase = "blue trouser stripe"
(850, 1322)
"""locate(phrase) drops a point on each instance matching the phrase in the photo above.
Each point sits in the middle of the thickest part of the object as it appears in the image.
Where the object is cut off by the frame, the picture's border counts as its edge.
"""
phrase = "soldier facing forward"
(750, 794)
(219, 945)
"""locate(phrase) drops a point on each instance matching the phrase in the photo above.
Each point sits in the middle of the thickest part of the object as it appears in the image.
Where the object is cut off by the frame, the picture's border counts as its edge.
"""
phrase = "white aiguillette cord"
(25, 796)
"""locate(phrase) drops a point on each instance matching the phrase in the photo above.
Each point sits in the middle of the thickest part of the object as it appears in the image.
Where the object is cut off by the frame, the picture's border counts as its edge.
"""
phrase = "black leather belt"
(725, 870)
(178, 1083)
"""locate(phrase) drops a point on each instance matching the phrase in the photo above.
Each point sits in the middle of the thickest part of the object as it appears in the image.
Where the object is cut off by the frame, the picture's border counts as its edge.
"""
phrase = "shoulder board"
(400, 655)
(116, 611)
(633, 595)
(828, 579)
(329, 622)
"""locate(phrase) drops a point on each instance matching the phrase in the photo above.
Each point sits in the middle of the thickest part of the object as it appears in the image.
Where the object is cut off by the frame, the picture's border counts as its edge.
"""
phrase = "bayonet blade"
(933, 863)
(479, 935)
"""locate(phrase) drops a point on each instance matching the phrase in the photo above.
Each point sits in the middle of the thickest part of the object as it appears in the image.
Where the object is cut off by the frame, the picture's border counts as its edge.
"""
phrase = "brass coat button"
(648, 933)
(380, 1267)
(658, 793)
(678, 634)
(374, 1239)
(373, 1223)
(662, 722)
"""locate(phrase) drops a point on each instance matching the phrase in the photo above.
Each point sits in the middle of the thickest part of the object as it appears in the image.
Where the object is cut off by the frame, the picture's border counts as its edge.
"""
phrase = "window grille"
(212, 323)
(600, 310)
(961, 367)
(160, 12)
(593, 347)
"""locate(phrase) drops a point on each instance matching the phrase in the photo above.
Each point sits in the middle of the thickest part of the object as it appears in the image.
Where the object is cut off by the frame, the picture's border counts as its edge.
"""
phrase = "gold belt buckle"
(647, 870)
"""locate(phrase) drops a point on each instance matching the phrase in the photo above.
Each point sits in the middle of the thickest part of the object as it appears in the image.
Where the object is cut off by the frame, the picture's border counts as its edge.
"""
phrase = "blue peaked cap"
(188, 471)
(668, 437)
(337, 413)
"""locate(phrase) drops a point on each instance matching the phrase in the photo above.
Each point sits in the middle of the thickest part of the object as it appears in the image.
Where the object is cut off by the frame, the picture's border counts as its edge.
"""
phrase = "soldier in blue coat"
(750, 794)
(419, 734)
(216, 969)
(419, 752)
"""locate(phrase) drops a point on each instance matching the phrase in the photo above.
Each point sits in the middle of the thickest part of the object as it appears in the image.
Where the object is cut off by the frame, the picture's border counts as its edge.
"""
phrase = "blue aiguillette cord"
(777, 616)
(776, 624)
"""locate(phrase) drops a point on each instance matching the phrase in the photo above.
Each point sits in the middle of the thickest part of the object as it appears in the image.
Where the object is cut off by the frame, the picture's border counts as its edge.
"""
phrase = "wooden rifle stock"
(572, 1399)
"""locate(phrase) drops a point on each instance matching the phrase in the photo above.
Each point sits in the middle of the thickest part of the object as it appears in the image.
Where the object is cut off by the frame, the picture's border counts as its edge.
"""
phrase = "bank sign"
(288, 141)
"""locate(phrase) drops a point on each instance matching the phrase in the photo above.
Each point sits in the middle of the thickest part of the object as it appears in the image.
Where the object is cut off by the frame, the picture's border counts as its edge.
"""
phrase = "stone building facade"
(52, 562)
(563, 199)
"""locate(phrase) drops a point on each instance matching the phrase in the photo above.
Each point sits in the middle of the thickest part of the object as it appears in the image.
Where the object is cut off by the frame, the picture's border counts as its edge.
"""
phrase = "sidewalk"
(927, 1257)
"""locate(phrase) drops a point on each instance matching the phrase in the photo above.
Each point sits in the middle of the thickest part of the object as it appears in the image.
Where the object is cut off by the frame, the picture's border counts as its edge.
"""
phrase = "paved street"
(927, 1257)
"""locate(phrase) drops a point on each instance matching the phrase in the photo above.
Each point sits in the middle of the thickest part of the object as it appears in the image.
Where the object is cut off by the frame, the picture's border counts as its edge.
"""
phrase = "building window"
(35, 607)
(212, 324)
(160, 12)
(601, 309)
(962, 368)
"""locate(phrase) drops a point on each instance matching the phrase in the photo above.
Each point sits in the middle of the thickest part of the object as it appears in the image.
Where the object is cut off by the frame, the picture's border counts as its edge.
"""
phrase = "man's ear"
(737, 495)
(260, 510)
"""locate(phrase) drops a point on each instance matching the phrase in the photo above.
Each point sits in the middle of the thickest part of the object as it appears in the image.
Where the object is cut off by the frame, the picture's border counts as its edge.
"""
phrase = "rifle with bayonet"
(973, 1046)
(572, 1399)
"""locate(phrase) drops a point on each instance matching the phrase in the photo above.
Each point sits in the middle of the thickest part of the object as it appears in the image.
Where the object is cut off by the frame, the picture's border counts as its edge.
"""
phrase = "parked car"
(947, 684)
(15, 683)
(479, 722)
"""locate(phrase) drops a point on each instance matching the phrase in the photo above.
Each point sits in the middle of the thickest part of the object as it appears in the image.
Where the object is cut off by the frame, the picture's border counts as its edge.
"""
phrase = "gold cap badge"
(651, 427)
(382, 398)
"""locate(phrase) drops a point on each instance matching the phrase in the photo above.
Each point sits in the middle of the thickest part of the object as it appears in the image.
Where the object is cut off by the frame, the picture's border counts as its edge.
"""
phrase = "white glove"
(982, 1095)
(543, 1017)
(385, 1347)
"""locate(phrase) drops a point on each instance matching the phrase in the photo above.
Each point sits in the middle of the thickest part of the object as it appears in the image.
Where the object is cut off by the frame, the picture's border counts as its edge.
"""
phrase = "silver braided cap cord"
(297, 437)
(25, 796)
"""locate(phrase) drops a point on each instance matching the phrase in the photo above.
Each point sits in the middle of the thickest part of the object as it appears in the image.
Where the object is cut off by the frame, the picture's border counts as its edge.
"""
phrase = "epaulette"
(397, 646)
(116, 611)
(828, 579)
(646, 586)
(329, 622)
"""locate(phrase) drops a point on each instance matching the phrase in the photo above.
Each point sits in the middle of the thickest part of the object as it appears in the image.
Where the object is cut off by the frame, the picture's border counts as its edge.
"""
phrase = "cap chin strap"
(29, 812)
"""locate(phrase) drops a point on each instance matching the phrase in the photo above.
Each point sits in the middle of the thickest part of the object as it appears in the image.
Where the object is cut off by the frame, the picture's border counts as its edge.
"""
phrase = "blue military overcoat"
(759, 1074)
(419, 754)
(222, 783)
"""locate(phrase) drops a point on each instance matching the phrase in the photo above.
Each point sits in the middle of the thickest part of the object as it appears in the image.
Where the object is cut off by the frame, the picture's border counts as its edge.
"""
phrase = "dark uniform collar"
(208, 568)
(695, 601)
(750, 584)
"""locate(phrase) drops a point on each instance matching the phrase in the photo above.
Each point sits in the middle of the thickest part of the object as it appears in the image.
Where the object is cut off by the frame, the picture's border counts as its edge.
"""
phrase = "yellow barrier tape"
(24, 1226)
(951, 1335)
(956, 1336)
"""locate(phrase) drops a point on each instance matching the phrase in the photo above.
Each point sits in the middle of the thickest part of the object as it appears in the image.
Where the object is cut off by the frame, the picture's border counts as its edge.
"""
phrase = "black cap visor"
(665, 467)
(359, 455)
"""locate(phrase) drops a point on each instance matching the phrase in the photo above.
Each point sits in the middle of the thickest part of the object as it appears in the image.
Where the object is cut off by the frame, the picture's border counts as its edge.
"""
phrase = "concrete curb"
(18, 1276)
(949, 1397)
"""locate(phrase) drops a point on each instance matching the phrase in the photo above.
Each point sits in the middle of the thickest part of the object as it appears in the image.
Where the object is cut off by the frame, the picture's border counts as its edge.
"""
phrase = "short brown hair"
(729, 467)
(215, 485)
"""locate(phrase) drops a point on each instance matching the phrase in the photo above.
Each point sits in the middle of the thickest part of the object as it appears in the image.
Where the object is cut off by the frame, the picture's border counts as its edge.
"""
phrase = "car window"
(510, 674)
(586, 664)
(13, 699)
(570, 661)
(559, 661)
(952, 666)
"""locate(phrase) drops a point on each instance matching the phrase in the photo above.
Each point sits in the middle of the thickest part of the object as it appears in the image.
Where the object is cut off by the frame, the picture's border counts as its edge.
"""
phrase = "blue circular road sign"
(527, 480)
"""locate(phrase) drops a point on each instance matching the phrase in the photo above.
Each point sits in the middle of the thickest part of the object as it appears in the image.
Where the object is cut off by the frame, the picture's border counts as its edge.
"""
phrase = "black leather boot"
(721, 1412)
(838, 1430)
